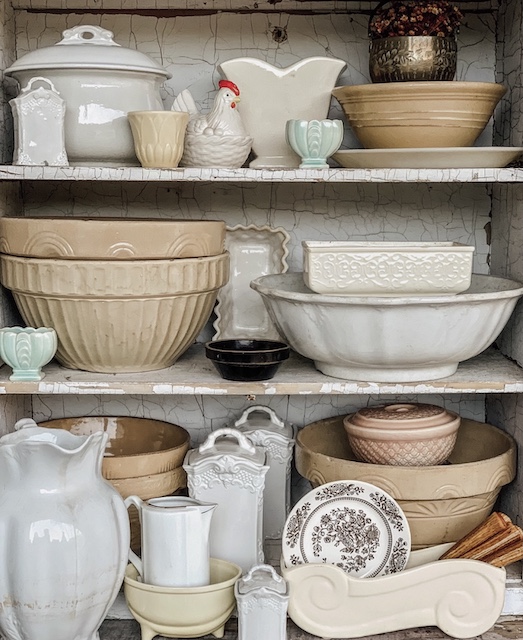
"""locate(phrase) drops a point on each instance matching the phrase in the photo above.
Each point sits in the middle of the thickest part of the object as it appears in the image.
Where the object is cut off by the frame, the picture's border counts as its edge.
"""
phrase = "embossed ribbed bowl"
(443, 502)
(419, 114)
(117, 316)
(386, 268)
(110, 238)
(402, 434)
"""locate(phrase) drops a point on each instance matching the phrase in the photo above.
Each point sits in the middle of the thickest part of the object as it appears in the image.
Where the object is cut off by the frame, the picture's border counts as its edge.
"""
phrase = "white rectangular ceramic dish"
(464, 598)
(387, 268)
(255, 251)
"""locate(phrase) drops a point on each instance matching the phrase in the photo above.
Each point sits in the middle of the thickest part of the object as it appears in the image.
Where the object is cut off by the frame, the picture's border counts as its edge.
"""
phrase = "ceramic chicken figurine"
(217, 139)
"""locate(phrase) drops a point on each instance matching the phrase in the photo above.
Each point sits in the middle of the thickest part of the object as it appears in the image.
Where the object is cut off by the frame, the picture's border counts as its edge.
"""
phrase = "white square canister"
(265, 429)
(229, 470)
(262, 597)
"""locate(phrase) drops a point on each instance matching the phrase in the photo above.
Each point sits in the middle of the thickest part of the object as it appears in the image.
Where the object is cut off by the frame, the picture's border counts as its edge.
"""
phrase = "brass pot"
(408, 58)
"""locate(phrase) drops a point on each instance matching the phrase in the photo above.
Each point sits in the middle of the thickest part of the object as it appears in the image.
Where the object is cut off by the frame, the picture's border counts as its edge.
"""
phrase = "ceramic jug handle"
(263, 567)
(243, 441)
(258, 407)
(133, 558)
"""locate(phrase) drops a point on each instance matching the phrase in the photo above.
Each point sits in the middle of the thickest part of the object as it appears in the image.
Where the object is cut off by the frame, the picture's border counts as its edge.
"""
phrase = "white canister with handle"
(175, 541)
(265, 429)
(229, 470)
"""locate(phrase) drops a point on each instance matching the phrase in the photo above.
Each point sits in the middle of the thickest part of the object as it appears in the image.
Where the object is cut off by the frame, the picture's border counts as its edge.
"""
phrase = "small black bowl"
(247, 360)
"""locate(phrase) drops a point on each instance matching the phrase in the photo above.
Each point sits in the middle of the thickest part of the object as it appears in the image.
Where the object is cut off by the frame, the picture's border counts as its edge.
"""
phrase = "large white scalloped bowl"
(404, 339)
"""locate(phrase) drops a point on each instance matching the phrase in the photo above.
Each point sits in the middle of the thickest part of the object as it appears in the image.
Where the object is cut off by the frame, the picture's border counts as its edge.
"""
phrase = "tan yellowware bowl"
(183, 612)
(442, 503)
(110, 238)
(419, 114)
(118, 316)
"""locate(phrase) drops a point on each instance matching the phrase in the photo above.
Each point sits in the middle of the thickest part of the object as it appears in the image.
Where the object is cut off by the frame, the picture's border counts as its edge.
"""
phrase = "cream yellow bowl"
(119, 316)
(183, 612)
(419, 114)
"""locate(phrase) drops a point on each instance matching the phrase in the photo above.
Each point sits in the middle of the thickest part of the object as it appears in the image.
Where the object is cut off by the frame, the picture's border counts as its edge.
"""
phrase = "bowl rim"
(513, 289)
(511, 448)
(416, 86)
(220, 346)
(217, 586)
(129, 456)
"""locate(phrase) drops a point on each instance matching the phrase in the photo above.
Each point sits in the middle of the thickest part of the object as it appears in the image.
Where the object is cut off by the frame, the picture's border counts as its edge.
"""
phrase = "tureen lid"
(406, 415)
(87, 47)
(259, 417)
(227, 442)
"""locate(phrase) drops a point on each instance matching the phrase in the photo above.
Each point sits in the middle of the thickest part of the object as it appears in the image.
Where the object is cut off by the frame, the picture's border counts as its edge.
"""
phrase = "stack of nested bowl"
(143, 457)
(442, 502)
(122, 295)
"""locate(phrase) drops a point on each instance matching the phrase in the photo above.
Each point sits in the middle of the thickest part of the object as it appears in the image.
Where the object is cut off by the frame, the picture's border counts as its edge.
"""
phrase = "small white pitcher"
(175, 541)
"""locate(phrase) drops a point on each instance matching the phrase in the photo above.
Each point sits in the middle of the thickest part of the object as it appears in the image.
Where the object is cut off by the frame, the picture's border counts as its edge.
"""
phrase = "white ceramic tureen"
(100, 82)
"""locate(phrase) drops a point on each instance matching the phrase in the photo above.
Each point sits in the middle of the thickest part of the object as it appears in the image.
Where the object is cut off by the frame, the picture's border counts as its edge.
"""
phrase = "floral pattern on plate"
(353, 525)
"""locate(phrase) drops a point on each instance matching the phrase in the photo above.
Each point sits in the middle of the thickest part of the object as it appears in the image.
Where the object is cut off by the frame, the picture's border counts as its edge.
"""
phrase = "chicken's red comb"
(229, 85)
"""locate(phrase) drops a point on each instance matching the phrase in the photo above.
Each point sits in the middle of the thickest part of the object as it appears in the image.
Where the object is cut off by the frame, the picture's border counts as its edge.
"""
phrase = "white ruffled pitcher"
(64, 535)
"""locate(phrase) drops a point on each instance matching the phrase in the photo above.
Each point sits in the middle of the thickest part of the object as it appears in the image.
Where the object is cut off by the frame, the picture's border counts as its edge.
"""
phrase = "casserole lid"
(87, 47)
(403, 416)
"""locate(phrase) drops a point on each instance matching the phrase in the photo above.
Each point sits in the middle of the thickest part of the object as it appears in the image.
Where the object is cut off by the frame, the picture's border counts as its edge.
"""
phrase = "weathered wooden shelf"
(193, 374)
(216, 6)
(137, 174)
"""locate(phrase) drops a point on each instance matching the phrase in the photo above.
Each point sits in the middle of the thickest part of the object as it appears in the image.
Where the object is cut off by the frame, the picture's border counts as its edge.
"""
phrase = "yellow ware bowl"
(183, 612)
(110, 238)
(442, 503)
(419, 114)
(117, 316)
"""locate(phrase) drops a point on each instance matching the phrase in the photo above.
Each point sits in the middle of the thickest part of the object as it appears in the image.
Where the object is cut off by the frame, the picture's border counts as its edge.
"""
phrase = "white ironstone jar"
(265, 429)
(228, 470)
(262, 597)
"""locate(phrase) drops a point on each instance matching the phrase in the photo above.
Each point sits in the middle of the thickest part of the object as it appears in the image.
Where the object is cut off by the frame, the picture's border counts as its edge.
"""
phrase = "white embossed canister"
(229, 470)
(265, 429)
(262, 597)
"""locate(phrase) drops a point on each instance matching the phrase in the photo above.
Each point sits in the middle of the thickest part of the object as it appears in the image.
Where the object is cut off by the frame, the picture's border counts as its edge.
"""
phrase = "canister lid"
(259, 417)
(261, 576)
(227, 442)
(87, 47)
(407, 415)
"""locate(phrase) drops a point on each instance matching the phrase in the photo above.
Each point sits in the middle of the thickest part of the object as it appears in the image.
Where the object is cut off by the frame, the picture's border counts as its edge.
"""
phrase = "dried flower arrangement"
(411, 18)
